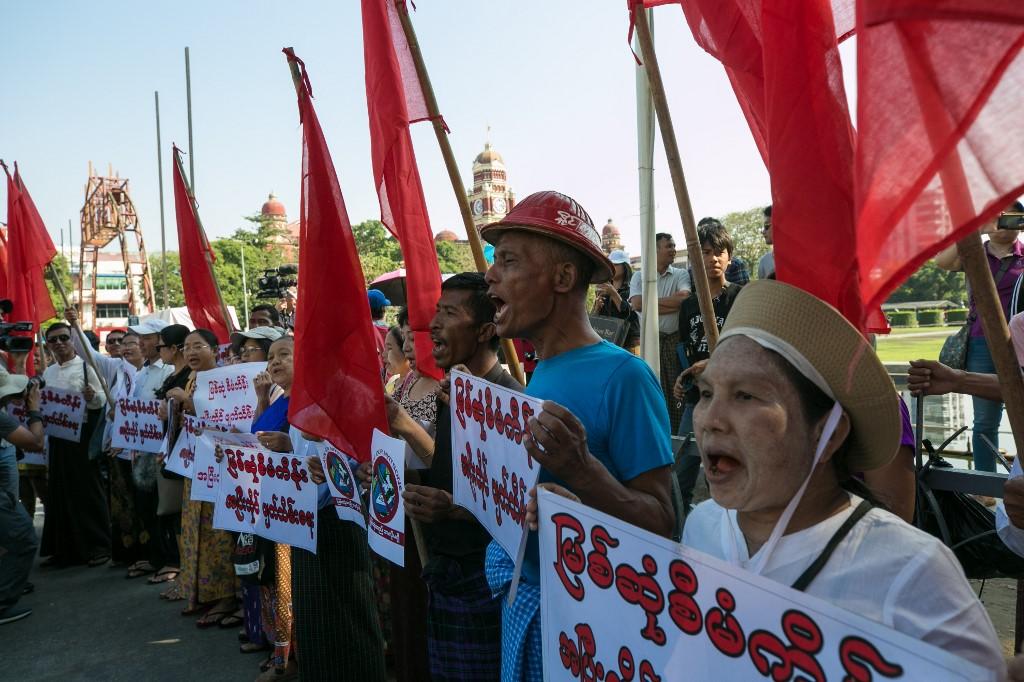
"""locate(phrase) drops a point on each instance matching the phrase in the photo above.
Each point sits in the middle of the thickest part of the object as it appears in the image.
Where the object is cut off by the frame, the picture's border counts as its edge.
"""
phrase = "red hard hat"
(557, 216)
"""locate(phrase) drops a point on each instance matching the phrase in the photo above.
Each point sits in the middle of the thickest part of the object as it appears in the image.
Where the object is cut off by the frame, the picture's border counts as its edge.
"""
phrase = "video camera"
(275, 282)
(1010, 220)
(12, 343)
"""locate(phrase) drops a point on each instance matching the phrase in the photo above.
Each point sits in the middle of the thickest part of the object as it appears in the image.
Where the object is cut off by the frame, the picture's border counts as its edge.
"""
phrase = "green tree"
(931, 283)
(60, 264)
(455, 257)
(378, 250)
(175, 293)
(745, 229)
(260, 255)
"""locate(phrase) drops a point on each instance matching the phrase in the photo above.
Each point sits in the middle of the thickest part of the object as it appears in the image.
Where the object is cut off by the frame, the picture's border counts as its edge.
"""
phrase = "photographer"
(18, 541)
(1005, 254)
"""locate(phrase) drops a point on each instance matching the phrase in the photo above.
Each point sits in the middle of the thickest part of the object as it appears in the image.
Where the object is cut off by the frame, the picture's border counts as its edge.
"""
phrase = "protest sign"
(269, 494)
(386, 519)
(180, 459)
(137, 425)
(342, 483)
(225, 396)
(63, 413)
(681, 614)
(207, 471)
(492, 472)
(38, 458)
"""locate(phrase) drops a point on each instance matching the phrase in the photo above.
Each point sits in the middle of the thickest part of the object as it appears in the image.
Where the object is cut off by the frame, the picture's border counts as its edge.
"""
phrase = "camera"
(1011, 220)
(15, 344)
(276, 281)
(37, 380)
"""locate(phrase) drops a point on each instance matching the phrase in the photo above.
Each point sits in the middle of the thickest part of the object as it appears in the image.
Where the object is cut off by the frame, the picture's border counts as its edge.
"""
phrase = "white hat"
(619, 257)
(11, 384)
(271, 333)
(151, 326)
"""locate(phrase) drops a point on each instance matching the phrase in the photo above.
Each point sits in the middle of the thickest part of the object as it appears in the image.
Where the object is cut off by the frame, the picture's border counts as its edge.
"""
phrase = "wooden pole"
(997, 333)
(86, 346)
(160, 180)
(453, 171)
(675, 166)
(206, 247)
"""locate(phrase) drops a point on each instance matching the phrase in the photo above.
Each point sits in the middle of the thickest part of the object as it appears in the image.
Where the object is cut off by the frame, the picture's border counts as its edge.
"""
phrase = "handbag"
(954, 348)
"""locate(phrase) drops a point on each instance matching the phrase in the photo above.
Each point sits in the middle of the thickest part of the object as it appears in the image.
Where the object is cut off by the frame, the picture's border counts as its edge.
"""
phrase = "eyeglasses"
(197, 347)
(245, 350)
(59, 338)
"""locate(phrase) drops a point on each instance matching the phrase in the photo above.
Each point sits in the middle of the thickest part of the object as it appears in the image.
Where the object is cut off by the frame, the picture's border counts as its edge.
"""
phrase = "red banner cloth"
(394, 99)
(201, 297)
(941, 94)
(337, 394)
(3, 263)
(29, 251)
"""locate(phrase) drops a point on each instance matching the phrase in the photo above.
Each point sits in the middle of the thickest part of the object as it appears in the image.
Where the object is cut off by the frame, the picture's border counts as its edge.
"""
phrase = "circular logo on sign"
(339, 475)
(384, 490)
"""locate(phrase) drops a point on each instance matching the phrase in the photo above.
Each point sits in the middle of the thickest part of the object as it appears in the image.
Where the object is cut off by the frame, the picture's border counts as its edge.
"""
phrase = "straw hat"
(560, 217)
(825, 347)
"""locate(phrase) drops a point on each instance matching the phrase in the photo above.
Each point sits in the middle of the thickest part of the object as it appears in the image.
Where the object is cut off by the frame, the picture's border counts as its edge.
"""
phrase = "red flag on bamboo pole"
(3, 264)
(29, 251)
(202, 296)
(337, 393)
(941, 91)
(394, 99)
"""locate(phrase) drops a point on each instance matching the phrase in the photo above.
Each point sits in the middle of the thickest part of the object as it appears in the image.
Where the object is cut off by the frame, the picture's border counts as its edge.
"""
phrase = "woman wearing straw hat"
(792, 400)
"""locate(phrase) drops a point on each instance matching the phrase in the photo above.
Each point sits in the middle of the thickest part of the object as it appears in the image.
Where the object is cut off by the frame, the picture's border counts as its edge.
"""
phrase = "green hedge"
(902, 318)
(930, 318)
(956, 315)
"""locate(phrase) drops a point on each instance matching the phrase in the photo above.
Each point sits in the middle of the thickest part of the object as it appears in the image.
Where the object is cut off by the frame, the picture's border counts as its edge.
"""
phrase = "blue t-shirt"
(617, 398)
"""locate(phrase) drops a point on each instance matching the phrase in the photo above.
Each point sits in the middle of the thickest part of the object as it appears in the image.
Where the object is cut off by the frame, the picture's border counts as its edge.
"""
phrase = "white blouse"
(884, 570)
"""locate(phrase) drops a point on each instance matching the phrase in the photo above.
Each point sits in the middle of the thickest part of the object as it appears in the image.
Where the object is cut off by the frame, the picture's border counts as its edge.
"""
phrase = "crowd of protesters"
(796, 426)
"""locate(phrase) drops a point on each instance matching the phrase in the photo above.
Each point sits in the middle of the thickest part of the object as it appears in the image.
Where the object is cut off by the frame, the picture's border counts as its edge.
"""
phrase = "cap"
(11, 384)
(377, 298)
(151, 326)
(174, 335)
(270, 333)
(556, 216)
(619, 257)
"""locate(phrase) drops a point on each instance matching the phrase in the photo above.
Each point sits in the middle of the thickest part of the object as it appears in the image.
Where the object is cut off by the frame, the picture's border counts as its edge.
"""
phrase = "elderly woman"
(792, 400)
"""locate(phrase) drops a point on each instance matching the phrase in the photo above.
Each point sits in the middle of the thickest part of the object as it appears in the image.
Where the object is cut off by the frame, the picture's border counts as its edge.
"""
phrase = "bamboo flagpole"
(649, 340)
(675, 166)
(453, 170)
(206, 243)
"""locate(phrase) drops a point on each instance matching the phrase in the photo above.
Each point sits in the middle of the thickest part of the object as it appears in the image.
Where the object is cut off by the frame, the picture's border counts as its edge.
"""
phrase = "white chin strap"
(787, 515)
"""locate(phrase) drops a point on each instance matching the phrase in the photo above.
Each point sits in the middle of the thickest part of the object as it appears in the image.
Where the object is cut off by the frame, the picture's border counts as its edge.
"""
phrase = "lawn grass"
(904, 350)
(899, 331)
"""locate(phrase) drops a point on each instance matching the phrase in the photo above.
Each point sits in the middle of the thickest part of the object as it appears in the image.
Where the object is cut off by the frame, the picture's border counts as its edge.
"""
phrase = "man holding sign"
(463, 618)
(603, 432)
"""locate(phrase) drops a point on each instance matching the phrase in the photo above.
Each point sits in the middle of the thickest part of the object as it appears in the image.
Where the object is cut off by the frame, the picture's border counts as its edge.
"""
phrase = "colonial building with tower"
(491, 198)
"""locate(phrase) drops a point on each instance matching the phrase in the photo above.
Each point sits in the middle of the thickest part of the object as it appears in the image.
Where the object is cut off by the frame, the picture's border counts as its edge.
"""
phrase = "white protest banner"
(208, 473)
(225, 396)
(492, 472)
(63, 413)
(180, 459)
(386, 519)
(38, 458)
(269, 494)
(137, 425)
(630, 603)
(342, 483)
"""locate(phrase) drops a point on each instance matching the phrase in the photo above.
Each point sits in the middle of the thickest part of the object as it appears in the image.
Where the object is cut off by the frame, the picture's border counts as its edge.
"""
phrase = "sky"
(554, 82)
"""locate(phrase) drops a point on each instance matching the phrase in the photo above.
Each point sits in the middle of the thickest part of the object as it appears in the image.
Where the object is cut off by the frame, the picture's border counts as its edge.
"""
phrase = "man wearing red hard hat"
(603, 433)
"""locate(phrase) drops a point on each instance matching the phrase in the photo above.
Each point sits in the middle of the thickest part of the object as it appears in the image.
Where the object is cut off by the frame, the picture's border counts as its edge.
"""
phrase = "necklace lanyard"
(787, 515)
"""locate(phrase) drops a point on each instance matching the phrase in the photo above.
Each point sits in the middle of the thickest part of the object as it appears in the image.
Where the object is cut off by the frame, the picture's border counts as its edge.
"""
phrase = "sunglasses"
(59, 338)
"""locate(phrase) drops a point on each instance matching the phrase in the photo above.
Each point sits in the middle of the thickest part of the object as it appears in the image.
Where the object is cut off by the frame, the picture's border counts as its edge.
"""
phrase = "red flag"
(941, 91)
(3, 264)
(337, 393)
(394, 99)
(201, 294)
(30, 250)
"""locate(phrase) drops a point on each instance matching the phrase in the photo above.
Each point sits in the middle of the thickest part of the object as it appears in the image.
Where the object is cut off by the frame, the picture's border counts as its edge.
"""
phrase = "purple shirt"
(907, 437)
(1004, 285)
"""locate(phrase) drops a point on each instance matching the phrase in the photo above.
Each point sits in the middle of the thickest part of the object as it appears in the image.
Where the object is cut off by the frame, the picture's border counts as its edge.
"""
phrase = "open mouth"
(721, 465)
(499, 308)
(438, 344)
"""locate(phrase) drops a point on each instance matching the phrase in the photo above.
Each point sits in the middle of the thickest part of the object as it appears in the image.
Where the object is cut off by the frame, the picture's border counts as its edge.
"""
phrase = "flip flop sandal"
(137, 573)
(213, 617)
(161, 577)
(98, 561)
(232, 621)
(172, 593)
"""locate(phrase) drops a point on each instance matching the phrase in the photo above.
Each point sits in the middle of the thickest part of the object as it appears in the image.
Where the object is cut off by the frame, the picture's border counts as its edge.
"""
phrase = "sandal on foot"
(164, 575)
(172, 593)
(98, 561)
(214, 617)
(233, 621)
(138, 571)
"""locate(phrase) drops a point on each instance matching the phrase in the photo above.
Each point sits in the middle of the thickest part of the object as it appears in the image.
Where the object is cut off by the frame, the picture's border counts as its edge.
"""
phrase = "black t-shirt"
(456, 539)
(691, 327)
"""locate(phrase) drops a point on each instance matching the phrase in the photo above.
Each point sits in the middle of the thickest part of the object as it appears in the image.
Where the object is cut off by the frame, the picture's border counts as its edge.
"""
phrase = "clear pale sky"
(555, 81)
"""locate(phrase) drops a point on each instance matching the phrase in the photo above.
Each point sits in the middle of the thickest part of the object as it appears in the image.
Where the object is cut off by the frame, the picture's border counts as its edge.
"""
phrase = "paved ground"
(92, 624)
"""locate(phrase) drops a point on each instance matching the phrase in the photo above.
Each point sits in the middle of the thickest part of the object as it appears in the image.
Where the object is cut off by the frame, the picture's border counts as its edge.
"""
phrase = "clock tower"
(491, 199)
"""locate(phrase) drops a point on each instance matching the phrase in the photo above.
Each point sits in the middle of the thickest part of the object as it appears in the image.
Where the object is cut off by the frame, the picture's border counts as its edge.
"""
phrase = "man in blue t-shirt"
(603, 432)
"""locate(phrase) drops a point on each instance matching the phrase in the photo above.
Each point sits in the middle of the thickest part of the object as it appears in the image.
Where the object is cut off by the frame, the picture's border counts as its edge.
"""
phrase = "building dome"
(609, 229)
(446, 236)
(273, 207)
(488, 156)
